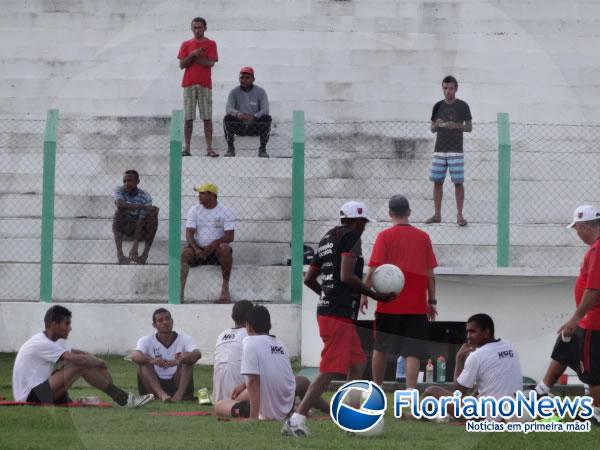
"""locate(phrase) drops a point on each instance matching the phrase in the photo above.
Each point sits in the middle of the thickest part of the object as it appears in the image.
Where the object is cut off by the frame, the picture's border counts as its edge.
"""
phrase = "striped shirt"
(138, 196)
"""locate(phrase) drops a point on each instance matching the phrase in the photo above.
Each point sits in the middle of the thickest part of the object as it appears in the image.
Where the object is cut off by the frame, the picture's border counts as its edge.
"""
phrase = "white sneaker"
(135, 401)
(444, 419)
(294, 430)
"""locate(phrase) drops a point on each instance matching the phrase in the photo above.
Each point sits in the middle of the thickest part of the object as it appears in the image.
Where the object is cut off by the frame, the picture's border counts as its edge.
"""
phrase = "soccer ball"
(388, 278)
(375, 431)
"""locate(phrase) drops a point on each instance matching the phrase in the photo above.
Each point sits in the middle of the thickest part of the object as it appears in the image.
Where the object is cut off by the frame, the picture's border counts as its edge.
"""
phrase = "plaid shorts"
(197, 95)
(453, 162)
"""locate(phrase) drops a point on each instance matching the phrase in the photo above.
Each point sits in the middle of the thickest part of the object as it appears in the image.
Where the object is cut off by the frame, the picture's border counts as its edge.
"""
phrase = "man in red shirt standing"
(578, 343)
(401, 324)
(197, 56)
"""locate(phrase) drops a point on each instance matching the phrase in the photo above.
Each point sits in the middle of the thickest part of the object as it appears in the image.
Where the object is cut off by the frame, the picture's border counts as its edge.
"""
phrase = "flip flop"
(432, 219)
(186, 154)
(462, 222)
(212, 154)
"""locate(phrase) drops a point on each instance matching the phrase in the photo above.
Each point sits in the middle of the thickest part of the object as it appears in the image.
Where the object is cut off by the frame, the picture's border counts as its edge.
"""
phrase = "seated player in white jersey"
(46, 367)
(489, 365)
(166, 360)
(270, 387)
(228, 353)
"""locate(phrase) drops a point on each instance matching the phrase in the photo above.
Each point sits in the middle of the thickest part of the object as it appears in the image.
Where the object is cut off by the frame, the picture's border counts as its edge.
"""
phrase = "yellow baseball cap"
(207, 187)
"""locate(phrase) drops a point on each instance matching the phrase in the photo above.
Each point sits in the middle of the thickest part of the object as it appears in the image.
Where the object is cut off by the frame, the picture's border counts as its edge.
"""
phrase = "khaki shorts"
(197, 95)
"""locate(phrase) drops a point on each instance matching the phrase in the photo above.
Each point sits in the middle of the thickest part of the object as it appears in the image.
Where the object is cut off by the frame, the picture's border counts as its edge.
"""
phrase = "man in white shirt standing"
(209, 231)
(491, 365)
(228, 353)
(35, 379)
(166, 361)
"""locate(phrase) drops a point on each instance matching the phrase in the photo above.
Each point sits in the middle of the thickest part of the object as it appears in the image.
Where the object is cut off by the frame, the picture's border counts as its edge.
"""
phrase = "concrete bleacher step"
(140, 284)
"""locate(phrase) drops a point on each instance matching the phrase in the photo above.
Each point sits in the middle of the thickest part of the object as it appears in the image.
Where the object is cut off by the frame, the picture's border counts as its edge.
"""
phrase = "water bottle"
(401, 369)
(441, 369)
(429, 372)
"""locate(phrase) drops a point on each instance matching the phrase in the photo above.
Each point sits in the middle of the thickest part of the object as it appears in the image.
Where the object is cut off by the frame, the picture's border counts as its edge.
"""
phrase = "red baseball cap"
(247, 69)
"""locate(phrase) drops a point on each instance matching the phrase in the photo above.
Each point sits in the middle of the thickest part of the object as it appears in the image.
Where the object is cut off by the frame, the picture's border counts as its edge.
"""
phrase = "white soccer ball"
(375, 431)
(388, 278)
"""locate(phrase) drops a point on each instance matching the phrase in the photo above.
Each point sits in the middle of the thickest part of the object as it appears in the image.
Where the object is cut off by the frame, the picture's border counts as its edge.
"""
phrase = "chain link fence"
(21, 140)
(371, 161)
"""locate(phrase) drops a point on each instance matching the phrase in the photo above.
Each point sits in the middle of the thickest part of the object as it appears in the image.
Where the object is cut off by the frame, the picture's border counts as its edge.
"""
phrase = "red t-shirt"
(196, 73)
(589, 278)
(410, 249)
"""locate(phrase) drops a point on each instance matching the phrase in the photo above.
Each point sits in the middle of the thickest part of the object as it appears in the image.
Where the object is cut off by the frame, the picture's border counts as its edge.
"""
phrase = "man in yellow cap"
(209, 231)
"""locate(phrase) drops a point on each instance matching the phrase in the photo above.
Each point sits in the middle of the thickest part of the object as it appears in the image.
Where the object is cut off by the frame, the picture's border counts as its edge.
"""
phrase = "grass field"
(100, 428)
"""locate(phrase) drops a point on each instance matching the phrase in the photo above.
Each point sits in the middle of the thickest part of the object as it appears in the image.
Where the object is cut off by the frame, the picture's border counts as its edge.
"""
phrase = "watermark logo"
(347, 416)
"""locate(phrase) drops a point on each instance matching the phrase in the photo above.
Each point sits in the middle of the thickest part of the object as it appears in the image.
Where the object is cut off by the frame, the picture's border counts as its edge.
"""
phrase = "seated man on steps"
(36, 380)
(135, 218)
(166, 361)
(247, 113)
(209, 231)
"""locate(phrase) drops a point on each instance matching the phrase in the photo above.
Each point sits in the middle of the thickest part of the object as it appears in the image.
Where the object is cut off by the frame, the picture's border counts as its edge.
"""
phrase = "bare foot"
(225, 296)
(177, 397)
(142, 259)
(461, 221)
(123, 259)
(166, 399)
(434, 219)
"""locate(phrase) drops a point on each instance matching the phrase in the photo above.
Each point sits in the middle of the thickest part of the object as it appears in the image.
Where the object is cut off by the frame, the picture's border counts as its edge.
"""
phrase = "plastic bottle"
(429, 372)
(401, 369)
(441, 369)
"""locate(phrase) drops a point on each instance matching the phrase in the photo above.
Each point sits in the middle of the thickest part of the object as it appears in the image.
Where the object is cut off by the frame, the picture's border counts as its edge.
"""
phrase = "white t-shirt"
(151, 346)
(265, 356)
(210, 224)
(494, 368)
(34, 363)
(228, 362)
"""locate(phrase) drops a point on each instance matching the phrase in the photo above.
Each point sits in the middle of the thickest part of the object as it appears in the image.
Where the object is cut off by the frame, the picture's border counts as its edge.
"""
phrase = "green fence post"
(504, 150)
(297, 207)
(175, 208)
(48, 183)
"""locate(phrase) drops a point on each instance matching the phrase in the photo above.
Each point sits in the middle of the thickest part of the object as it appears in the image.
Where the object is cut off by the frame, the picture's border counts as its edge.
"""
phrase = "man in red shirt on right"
(401, 325)
(578, 343)
(197, 57)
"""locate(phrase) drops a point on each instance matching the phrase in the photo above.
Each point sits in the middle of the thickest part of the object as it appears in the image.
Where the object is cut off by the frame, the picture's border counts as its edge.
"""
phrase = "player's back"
(227, 362)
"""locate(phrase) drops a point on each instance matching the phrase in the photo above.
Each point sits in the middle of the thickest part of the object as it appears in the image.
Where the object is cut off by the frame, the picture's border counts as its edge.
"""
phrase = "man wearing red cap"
(247, 113)
(197, 56)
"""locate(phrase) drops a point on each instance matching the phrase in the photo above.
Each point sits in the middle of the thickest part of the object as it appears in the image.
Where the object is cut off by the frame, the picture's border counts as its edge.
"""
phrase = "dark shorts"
(127, 225)
(42, 393)
(241, 409)
(168, 385)
(212, 260)
(402, 334)
(581, 353)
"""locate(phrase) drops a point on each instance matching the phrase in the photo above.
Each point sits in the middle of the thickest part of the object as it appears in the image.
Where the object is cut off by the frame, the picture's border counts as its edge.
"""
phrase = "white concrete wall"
(338, 60)
(527, 310)
(116, 328)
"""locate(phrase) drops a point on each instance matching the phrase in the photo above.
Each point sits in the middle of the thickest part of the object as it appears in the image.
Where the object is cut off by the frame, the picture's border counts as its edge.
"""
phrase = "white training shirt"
(151, 346)
(34, 363)
(265, 356)
(228, 362)
(494, 368)
(210, 224)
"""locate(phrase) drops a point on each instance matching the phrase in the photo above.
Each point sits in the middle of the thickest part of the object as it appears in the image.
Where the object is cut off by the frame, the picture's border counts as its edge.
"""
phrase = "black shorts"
(212, 260)
(169, 386)
(241, 409)
(402, 334)
(42, 393)
(127, 225)
(581, 353)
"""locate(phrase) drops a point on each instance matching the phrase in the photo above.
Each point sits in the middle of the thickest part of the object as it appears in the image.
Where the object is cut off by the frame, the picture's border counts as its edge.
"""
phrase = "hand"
(246, 117)
(199, 52)
(431, 312)
(454, 125)
(382, 297)
(569, 327)
(439, 123)
(199, 252)
(364, 304)
(465, 351)
(237, 391)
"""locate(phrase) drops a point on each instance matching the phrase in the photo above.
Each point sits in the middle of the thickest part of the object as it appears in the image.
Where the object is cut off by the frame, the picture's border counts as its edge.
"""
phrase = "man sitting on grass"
(35, 379)
(166, 361)
(270, 387)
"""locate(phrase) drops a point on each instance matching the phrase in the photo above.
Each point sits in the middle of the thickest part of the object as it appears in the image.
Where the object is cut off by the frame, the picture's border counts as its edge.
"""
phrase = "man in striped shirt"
(135, 218)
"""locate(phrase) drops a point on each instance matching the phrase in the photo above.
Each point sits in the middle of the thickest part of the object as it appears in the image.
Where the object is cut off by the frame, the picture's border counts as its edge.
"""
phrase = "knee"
(224, 249)
(302, 384)
(187, 255)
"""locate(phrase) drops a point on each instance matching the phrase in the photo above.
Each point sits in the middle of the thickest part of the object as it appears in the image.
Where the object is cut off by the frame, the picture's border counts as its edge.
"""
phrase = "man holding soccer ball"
(339, 262)
(401, 325)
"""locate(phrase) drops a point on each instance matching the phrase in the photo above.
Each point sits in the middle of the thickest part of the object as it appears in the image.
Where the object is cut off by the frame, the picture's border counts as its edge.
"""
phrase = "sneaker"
(204, 397)
(135, 401)
(262, 153)
(230, 150)
(294, 430)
